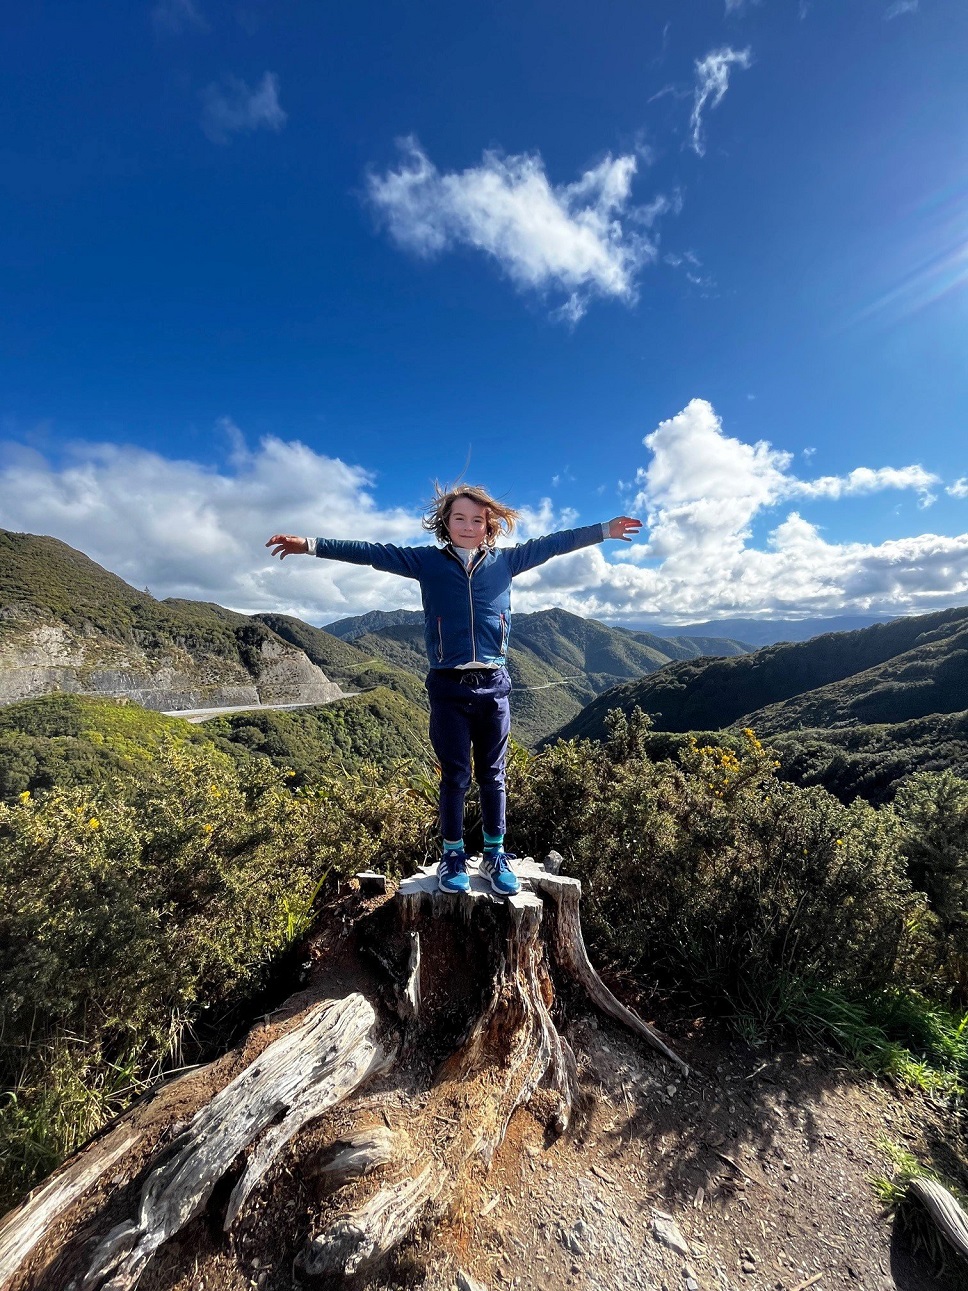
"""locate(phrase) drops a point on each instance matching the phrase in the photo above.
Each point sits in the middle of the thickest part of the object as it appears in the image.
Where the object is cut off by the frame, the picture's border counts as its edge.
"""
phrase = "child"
(465, 585)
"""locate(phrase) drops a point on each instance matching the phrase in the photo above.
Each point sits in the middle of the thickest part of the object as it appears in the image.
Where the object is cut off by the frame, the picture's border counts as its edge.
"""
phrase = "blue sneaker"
(496, 866)
(452, 872)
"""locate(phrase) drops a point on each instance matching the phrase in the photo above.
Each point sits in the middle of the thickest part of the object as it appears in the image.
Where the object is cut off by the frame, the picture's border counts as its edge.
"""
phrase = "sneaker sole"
(500, 891)
(452, 892)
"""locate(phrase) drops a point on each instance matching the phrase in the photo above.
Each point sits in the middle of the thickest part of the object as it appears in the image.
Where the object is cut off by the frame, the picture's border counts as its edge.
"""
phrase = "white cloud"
(702, 492)
(959, 489)
(188, 530)
(696, 466)
(900, 7)
(712, 82)
(584, 239)
(229, 107)
(544, 518)
(865, 480)
(178, 16)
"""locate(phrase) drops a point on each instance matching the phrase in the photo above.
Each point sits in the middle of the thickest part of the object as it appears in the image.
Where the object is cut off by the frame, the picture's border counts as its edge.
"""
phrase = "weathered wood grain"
(317, 1063)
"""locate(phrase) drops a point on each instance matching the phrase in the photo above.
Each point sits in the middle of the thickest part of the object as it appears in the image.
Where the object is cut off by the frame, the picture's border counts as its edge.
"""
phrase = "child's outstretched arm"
(529, 554)
(405, 561)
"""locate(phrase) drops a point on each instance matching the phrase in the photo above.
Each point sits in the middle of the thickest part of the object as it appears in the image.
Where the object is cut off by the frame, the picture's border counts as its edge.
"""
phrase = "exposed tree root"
(947, 1213)
(24, 1228)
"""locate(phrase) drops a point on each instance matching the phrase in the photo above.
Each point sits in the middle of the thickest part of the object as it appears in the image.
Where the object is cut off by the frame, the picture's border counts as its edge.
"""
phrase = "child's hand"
(624, 527)
(285, 544)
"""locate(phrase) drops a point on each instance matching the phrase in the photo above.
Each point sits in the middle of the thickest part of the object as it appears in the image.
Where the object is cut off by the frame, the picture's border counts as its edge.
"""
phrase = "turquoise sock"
(493, 842)
(453, 845)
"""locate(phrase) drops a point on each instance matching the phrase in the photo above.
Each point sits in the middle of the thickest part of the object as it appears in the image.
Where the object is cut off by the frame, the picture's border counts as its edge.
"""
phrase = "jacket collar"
(479, 556)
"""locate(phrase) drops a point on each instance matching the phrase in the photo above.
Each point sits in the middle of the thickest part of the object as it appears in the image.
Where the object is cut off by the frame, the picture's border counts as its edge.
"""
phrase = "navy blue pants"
(469, 709)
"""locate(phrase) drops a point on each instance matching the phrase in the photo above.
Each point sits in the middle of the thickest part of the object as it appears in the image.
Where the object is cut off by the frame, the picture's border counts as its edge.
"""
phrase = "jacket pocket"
(504, 635)
(440, 640)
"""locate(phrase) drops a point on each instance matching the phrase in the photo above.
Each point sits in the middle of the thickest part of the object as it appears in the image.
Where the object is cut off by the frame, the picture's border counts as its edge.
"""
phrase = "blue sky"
(277, 266)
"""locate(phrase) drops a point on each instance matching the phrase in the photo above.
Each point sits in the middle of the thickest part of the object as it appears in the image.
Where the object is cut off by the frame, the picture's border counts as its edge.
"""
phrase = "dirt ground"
(762, 1162)
(752, 1174)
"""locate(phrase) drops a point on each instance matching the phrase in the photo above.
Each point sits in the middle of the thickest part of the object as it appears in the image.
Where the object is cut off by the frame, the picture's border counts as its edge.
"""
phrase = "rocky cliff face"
(66, 624)
(43, 658)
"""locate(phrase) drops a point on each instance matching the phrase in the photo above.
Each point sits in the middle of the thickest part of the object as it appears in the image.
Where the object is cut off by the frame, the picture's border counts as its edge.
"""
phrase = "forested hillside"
(930, 677)
(708, 694)
(66, 740)
(893, 702)
(343, 661)
(558, 661)
(380, 726)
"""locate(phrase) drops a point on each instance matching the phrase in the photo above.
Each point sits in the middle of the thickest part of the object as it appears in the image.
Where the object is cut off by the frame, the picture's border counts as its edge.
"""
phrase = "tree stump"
(456, 1022)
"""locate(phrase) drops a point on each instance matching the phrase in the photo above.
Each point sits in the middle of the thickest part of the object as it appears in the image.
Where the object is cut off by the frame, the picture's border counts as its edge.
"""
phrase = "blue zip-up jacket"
(467, 609)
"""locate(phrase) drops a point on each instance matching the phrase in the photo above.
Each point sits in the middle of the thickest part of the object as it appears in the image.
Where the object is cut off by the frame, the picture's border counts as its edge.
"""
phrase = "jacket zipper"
(470, 601)
(504, 634)
(440, 641)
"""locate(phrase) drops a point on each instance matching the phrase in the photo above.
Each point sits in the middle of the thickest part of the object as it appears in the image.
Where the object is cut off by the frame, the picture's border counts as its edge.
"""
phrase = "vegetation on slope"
(138, 904)
(792, 911)
(930, 678)
(379, 727)
(343, 662)
(852, 735)
(867, 762)
(44, 580)
(688, 647)
(133, 907)
(45, 583)
(66, 740)
(871, 761)
(373, 621)
(910, 667)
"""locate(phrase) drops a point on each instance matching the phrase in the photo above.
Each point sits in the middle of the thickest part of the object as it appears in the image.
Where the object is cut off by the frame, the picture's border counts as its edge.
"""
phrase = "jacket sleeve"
(405, 561)
(526, 555)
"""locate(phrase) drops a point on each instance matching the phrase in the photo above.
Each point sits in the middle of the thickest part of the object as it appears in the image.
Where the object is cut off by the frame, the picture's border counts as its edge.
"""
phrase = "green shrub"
(63, 740)
(133, 906)
(712, 874)
(934, 811)
(745, 877)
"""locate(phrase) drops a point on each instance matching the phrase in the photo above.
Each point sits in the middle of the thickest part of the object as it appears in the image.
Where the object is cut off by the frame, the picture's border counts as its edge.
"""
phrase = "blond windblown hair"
(500, 518)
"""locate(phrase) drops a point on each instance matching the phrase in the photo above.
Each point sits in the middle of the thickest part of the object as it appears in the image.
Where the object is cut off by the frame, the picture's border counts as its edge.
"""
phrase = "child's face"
(467, 523)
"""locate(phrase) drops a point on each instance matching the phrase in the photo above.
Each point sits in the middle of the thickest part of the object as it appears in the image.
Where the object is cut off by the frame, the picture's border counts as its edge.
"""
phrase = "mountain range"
(887, 673)
(67, 625)
(855, 710)
(558, 661)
